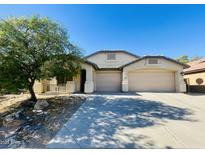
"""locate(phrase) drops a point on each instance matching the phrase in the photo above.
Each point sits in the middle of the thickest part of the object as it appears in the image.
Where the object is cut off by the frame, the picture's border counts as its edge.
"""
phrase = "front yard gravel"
(23, 127)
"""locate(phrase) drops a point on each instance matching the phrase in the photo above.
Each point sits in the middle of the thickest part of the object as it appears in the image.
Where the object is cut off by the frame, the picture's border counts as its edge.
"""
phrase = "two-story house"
(118, 70)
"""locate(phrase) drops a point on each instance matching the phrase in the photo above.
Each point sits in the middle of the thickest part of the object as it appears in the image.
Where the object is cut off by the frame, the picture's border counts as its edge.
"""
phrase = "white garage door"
(108, 81)
(152, 81)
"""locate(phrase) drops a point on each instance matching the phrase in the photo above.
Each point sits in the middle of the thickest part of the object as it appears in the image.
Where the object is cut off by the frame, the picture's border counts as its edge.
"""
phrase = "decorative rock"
(13, 123)
(29, 120)
(30, 103)
(28, 127)
(2, 136)
(45, 112)
(13, 143)
(9, 117)
(41, 104)
(37, 111)
(17, 114)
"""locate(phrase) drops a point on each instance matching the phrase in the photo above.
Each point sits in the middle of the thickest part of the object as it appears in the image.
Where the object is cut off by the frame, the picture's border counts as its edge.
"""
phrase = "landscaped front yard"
(141, 120)
(23, 127)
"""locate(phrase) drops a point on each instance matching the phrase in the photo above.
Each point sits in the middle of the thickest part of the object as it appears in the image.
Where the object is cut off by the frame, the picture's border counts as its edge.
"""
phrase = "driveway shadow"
(100, 121)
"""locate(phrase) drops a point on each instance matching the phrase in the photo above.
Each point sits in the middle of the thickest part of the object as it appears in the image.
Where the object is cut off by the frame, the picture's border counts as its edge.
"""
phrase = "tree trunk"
(33, 96)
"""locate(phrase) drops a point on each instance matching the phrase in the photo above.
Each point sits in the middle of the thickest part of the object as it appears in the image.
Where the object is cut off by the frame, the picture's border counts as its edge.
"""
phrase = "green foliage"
(33, 49)
(63, 65)
(10, 77)
(183, 59)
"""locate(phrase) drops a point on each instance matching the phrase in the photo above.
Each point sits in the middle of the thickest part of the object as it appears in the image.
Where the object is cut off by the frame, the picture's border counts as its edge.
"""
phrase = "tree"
(196, 58)
(63, 65)
(183, 59)
(9, 83)
(28, 45)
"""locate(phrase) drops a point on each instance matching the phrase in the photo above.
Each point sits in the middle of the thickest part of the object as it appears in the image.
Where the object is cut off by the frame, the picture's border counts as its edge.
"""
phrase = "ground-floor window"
(62, 80)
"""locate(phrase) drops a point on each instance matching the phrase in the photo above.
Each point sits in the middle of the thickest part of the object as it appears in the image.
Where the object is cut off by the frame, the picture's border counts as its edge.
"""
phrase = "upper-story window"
(152, 61)
(111, 56)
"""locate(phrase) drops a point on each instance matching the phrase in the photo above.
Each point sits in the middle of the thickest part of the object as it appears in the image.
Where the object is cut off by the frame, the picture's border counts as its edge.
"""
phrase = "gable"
(111, 59)
(162, 63)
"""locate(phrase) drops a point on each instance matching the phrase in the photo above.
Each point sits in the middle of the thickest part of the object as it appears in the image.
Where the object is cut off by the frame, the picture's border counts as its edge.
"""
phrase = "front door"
(82, 80)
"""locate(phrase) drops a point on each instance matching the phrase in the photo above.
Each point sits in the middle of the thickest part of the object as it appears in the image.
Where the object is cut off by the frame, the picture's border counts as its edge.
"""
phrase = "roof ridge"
(167, 58)
(118, 50)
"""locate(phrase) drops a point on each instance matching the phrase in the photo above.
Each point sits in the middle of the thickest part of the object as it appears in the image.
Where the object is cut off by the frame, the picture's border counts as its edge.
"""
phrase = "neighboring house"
(114, 71)
(195, 76)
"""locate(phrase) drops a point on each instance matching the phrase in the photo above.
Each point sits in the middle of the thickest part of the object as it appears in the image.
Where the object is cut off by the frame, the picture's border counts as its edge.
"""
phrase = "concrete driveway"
(142, 120)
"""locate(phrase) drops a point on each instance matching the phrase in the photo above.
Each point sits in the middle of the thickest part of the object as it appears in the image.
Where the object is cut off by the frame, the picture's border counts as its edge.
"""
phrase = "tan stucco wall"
(53, 84)
(94, 79)
(71, 86)
(163, 64)
(89, 86)
(77, 82)
(192, 78)
(101, 60)
(40, 86)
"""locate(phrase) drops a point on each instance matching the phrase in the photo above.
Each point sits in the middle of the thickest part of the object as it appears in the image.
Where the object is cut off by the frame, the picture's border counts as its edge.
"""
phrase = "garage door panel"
(153, 81)
(108, 81)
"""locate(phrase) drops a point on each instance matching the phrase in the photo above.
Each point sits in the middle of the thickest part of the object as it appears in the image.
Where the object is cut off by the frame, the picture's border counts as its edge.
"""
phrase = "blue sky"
(169, 30)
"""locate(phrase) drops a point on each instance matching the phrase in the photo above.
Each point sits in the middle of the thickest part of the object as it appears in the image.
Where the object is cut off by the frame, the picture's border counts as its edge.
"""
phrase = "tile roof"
(92, 64)
(195, 66)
